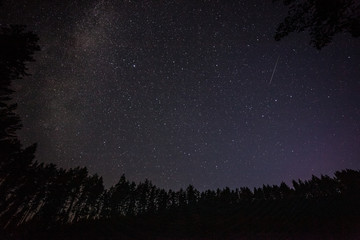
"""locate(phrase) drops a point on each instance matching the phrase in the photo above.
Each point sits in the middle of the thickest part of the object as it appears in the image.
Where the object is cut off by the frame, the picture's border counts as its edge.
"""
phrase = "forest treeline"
(49, 196)
(42, 196)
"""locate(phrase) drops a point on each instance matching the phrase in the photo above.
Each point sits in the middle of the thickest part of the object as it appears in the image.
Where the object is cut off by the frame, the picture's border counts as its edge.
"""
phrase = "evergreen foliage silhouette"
(322, 18)
(17, 48)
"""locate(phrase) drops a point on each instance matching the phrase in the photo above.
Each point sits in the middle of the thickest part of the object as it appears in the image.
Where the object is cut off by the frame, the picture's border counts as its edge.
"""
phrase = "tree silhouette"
(119, 197)
(322, 18)
(245, 194)
(192, 195)
(17, 48)
(349, 182)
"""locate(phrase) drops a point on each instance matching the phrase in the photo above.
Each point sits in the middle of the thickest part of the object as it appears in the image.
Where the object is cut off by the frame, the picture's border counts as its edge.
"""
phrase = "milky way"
(178, 92)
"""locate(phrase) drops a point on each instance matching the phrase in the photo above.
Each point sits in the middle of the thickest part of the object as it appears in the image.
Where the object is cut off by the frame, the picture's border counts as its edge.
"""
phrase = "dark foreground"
(335, 218)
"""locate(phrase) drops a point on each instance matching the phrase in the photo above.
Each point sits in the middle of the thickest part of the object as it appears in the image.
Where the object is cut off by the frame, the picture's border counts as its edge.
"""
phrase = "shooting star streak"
(272, 75)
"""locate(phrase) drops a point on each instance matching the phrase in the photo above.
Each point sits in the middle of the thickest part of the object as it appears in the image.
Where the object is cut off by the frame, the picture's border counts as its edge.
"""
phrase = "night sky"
(186, 92)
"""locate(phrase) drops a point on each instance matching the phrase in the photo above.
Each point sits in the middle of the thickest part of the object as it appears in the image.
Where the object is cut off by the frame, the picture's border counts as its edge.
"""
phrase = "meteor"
(272, 75)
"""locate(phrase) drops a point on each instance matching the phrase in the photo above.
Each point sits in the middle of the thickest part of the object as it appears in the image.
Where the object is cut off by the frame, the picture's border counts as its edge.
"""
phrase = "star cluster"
(186, 92)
